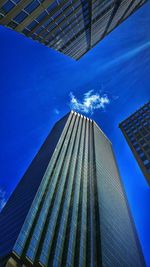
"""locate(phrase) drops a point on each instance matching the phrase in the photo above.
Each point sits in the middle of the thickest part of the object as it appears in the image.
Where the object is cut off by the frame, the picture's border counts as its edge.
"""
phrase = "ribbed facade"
(136, 129)
(71, 27)
(15, 211)
(79, 215)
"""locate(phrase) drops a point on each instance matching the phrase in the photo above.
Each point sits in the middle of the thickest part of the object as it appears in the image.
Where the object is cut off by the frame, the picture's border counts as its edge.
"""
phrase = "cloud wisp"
(127, 55)
(56, 111)
(2, 198)
(90, 102)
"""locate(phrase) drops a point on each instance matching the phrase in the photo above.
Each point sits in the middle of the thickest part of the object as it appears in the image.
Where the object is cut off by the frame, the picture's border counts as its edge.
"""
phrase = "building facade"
(70, 208)
(136, 130)
(71, 27)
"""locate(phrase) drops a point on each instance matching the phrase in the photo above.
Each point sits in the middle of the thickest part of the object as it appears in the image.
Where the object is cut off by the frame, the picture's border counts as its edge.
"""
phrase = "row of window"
(137, 126)
(45, 32)
(8, 6)
(140, 115)
(69, 28)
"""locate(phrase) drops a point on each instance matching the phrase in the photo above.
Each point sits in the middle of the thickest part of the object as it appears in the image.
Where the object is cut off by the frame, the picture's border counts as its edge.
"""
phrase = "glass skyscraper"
(72, 27)
(136, 130)
(70, 209)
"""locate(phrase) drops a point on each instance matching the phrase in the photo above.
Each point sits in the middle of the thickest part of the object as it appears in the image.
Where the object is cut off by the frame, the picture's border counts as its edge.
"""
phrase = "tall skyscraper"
(136, 130)
(71, 27)
(70, 208)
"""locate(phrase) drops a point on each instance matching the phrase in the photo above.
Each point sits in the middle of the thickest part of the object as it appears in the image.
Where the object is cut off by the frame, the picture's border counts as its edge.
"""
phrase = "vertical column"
(75, 207)
(93, 227)
(96, 205)
(93, 262)
(83, 237)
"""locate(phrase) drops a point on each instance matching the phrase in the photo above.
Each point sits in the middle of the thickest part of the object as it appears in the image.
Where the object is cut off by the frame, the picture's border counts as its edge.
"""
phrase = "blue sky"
(39, 85)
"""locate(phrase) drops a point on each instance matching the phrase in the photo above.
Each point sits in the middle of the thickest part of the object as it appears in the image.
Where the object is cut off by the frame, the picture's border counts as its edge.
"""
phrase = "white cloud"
(2, 198)
(90, 102)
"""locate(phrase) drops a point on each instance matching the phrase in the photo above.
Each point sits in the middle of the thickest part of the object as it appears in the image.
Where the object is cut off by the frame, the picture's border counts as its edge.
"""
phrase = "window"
(33, 35)
(16, 1)
(137, 148)
(32, 6)
(143, 132)
(147, 147)
(39, 30)
(134, 143)
(142, 142)
(132, 138)
(57, 13)
(47, 22)
(12, 24)
(133, 127)
(25, 31)
(32, 25)
(41, 16)
(138, 136)
(145, 123)
(52, 6)
(7, 7)
(148, 137)
(146, 161)
(141, 154)
(59, 20)
(66, 5)
(43, 34)
(20, 17)
(129, 134)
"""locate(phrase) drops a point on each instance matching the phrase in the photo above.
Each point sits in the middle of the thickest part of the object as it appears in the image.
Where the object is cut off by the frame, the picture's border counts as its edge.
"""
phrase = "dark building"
(71, 27)
(70, 208)
(136, 130)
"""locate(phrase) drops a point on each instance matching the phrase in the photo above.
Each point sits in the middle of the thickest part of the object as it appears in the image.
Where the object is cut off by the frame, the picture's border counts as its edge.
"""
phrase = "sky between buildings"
(38, 86)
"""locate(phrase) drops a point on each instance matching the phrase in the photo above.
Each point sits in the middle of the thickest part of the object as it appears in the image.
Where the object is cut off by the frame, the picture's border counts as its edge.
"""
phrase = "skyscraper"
(136, 130)
(70, 208)
(71, 27)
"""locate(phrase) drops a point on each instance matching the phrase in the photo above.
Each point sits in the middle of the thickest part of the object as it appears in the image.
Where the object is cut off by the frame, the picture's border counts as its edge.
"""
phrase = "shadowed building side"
(15, 211)
(136, 130)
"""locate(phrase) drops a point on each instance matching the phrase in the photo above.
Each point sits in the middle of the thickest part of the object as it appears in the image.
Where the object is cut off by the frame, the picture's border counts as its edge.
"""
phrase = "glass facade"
(136, 130)
(78, 215)
(15, 211)
(71, 27)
